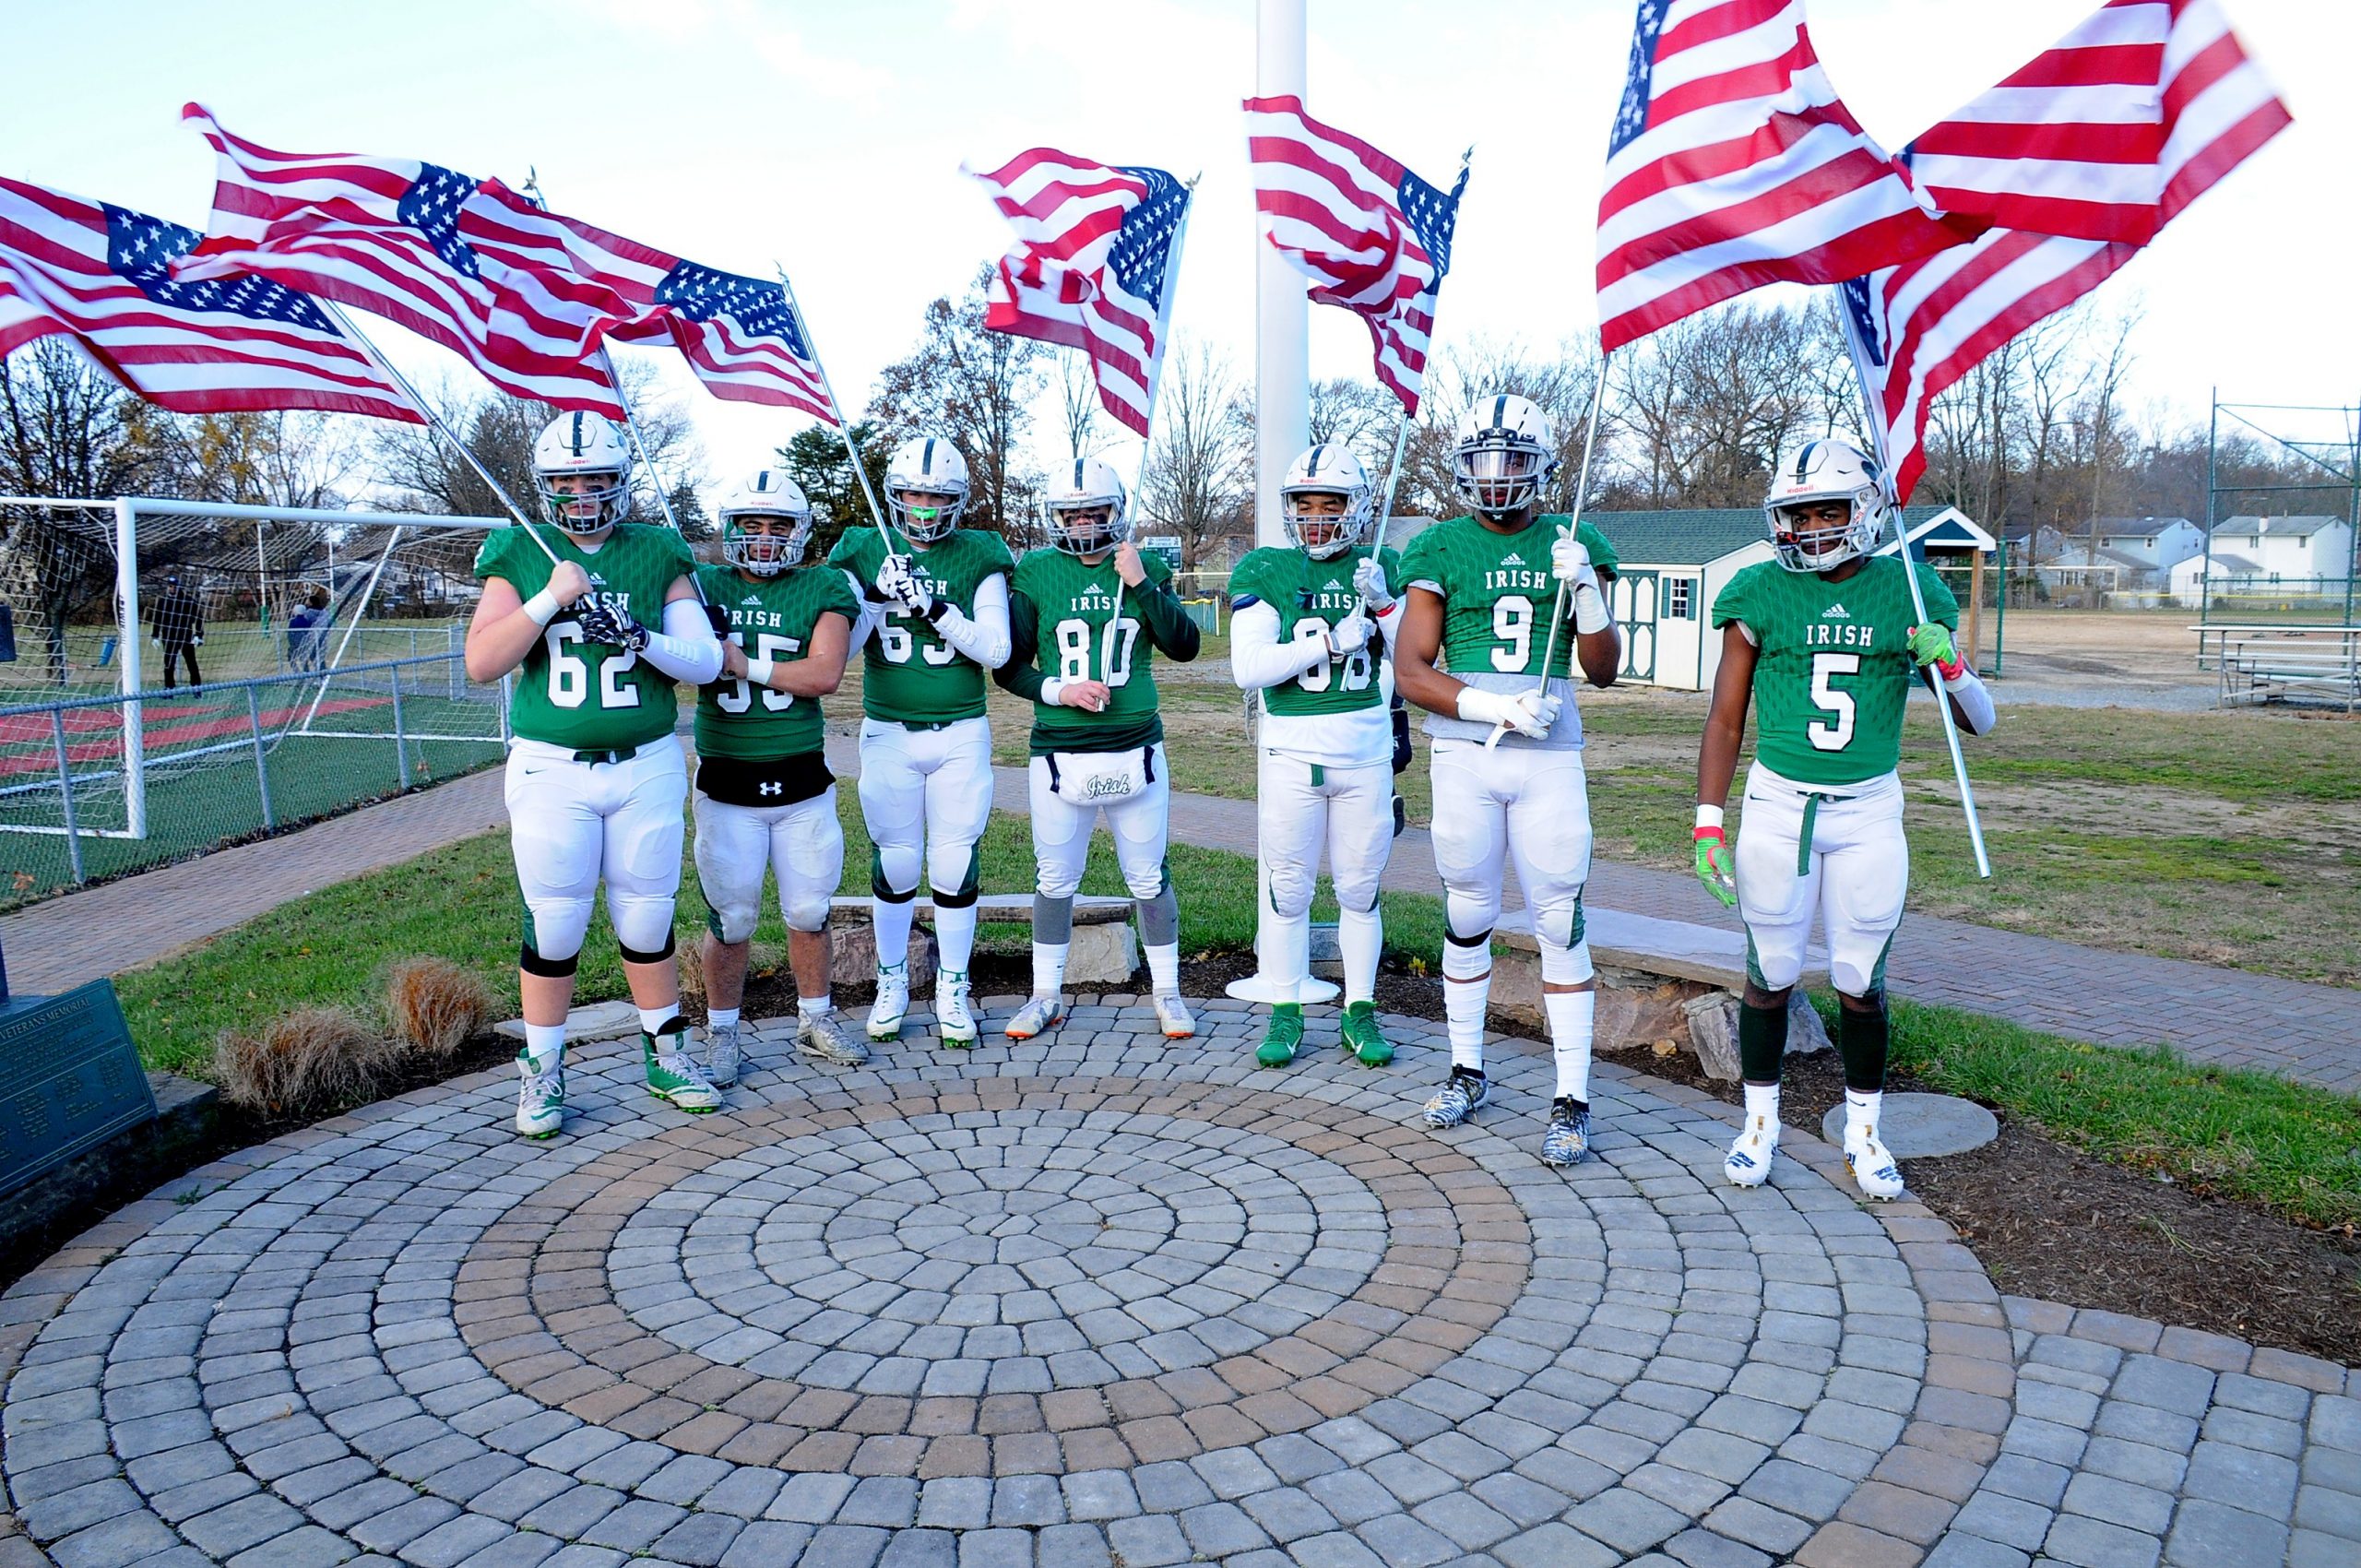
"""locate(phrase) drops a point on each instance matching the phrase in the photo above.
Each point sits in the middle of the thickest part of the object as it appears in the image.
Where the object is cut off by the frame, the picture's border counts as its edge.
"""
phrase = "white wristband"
(1050, 690)
(542, 607)
(1708, 816)
(758, 671)
(1590, 610)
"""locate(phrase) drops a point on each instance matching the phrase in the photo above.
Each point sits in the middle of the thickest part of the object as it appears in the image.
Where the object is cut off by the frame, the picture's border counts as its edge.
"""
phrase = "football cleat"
(721, 1053)
(1461, 1093)
(892, 1003)
(951, 1014)
(822, 1038)
(1872, 1164)
(1357, 1032)
(1748, 1162)
(1040, 1014)
(1286, 1033)
(540, 1097)
(1568, 1140)
(672, 1075)
(1174, 1016)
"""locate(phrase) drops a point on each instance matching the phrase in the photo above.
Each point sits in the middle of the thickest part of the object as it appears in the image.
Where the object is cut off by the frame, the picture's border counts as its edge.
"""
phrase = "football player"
(765, 794)
(1087, 614)
(937, 619)
(1309, 628)
(1825, 643)
(1507, 759)
(595, 779)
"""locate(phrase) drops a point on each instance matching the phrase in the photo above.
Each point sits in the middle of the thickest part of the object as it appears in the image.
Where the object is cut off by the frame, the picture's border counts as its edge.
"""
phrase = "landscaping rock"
(1923, 1126)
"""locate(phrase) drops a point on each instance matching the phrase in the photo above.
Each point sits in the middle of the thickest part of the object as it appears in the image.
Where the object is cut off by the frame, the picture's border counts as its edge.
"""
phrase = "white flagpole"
(1581, 489)
(1871, 411)
(638, 442)
(844, 421)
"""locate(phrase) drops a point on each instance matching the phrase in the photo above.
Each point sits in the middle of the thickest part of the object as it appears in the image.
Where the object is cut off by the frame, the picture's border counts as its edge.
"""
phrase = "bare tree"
(1200, 478)
(975, 385)
(1078, 399)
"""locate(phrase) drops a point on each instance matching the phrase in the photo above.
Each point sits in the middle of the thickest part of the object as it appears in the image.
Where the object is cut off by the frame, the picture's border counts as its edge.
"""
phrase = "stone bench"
(1659, 982)
(1104, 954)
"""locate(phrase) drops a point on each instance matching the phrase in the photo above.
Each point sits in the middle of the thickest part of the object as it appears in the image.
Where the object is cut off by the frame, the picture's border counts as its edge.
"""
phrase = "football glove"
(897, 586)
(1368, 581)
(1529, 713)
(1931, 644)
(1570, 563)
(1713, 849)
(601, 622)
(1349, 635)
(718, 619)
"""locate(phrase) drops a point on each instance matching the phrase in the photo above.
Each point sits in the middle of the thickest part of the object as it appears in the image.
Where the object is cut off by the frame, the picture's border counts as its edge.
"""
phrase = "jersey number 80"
(1074, 650)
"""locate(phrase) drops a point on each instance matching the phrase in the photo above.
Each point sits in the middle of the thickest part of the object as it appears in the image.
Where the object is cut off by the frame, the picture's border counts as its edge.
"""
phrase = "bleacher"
(2264, 663)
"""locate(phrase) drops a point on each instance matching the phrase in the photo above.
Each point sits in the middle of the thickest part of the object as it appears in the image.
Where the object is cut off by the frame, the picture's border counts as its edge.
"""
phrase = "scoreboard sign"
(73, 1078)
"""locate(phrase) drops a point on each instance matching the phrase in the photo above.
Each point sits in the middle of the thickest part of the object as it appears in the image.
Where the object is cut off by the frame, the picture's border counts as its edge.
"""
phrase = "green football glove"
(1931, 644)
(1711, 850)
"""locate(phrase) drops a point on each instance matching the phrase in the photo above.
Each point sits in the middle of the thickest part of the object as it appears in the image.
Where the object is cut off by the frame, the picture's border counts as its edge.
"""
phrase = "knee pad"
(1468, 911)
(1291, 892)
(1466, 957)
(643, 926)
(1563, 964)
(552, 932)
(959, 864)
(730, 926)
(1148, 883)
(1559, 923)
(805, 909)
(894, 872)
(532, 963)
(1357, 893)
(1053, 881)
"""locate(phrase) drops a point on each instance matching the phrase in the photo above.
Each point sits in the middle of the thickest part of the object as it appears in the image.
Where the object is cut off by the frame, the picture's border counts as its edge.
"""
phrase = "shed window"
(1683, 603)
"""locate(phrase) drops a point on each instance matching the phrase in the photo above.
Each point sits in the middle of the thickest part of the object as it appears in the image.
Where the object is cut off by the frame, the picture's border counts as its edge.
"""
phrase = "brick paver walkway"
(1104, 1299)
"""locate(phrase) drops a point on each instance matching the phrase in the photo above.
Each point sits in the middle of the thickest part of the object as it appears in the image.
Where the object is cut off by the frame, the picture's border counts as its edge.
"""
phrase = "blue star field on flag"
(432, 206)
(1143, 244)
(141, 249)
(760, 309)
(1631, 114)
(1433, 217)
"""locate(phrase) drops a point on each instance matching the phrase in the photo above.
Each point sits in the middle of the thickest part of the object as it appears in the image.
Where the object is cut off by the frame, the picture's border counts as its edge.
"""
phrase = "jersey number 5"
(1834, 733)
(737, 696)
(570, 676)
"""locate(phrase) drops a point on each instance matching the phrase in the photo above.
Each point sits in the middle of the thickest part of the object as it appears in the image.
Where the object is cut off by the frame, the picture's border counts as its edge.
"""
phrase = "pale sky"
(827, 137)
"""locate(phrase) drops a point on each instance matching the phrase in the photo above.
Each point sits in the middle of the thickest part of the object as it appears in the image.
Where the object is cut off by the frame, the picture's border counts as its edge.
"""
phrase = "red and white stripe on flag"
(1918, 328)
(384, 235)
(1062, 282)
(1734, 164)
(2107, 135)
(1371, 236)
(99, 275)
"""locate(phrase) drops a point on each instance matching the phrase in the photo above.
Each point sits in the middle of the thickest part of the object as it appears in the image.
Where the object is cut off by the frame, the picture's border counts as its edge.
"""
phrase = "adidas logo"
(1836, 612)
(751, 598)
(1511, 559)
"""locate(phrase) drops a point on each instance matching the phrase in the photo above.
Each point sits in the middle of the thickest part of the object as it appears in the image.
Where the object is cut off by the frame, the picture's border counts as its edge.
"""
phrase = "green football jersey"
(586, 695)
(911, 676)
(1316, 592)
(1064, 626)
(1498, 592)
(771, 620)
(1832, 671)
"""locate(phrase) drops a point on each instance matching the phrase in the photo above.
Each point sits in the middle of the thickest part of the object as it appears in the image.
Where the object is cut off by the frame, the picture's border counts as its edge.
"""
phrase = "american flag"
(1734, 164)
(1093, 267)
(2091, 139)
(1917, 329)
(99, 274)
(398, 238)
(1373, 237)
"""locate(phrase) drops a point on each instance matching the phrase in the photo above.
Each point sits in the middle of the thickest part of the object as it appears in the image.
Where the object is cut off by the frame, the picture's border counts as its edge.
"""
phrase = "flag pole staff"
(1402, 424)
(1873, 413)
(1155, 384)
(843, 424)
(1581, 489)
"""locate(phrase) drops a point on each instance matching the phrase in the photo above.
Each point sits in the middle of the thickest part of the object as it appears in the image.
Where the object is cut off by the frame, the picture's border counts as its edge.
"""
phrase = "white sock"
(1291, 956)
(1762, 1100)
(1861, 1111)
(1571, 1016)
(652, 1019)
(815, 1007)
(892, 922)
(545, 1043)
(1163, 969)
(720, 1017)
(1049, 968)
(1467, 987)
(955, 937)
(1360, 936)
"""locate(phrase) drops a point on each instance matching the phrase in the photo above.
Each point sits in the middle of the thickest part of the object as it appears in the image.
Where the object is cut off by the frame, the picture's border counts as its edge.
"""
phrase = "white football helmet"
(930, 467)
(1507, 451)
(1831, 468)
(1089, 513)
(588, 444)
(1326, 469)
(769, 493)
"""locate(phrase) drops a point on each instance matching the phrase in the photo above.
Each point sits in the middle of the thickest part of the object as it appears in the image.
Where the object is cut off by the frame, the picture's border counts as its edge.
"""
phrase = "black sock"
(1861, 1040)
(1762, 1042)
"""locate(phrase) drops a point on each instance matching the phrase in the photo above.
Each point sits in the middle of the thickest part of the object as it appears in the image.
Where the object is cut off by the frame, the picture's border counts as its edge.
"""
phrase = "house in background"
(2284, 548)
(2155, 545)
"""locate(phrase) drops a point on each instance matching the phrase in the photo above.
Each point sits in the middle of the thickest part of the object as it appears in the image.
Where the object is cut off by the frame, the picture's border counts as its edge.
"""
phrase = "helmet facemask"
(594, 502)
(1500, 475)
(1322, 523)
(1806, 544)
(926, 516)
(1088, 528)
(776, 541)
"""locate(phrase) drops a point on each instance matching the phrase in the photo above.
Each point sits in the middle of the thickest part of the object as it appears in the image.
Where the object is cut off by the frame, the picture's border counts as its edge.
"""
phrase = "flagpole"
(844, 424)
(1402, 424)
(1155, 378)
(1581, 489)
(1872, 410)
(638, 442)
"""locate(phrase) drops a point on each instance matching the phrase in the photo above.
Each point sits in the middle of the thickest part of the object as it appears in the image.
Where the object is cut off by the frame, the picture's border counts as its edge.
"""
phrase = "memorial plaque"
(73, 1079)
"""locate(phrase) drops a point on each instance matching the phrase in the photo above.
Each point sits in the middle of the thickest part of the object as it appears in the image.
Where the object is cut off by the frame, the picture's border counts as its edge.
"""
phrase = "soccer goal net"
(177, 673)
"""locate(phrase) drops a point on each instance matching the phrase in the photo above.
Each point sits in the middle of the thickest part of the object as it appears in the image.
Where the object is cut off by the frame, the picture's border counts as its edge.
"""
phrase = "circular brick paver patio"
(1105, 1298)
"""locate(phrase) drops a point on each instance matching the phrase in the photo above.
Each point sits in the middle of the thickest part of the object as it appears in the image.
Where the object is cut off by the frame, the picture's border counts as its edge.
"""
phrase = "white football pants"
(573, 824)
(1303, 807)
(926, 790)
(1854, 877)
(802, 844)
(1061, 834)
(1525, 804)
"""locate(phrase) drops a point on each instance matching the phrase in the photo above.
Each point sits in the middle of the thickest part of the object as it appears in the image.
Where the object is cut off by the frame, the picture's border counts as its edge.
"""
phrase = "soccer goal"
(177, 673)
